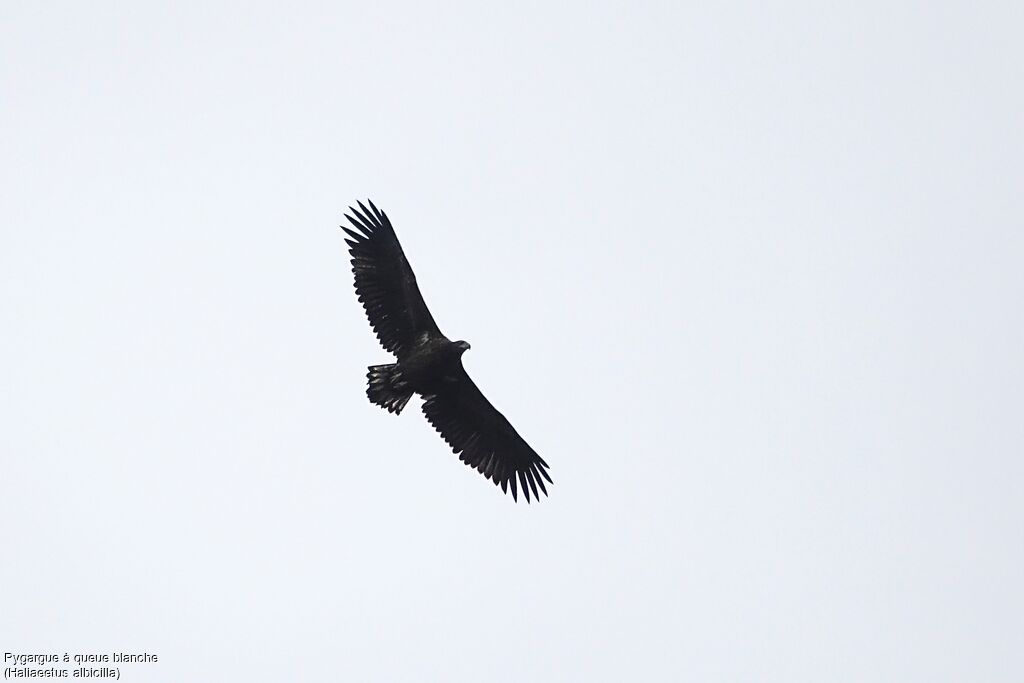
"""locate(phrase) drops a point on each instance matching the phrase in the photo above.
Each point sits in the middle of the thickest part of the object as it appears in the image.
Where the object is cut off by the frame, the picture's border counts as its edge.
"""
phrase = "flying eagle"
(429, 363)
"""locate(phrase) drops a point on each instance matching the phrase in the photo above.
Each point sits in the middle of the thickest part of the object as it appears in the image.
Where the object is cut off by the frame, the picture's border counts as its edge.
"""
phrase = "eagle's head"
(462, 346)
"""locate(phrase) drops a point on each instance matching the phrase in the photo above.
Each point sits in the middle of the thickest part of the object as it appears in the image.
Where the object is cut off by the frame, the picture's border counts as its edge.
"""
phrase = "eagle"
(429, 364)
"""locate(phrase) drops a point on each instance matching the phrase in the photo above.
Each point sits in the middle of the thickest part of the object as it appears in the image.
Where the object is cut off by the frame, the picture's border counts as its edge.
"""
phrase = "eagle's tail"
(387, 388)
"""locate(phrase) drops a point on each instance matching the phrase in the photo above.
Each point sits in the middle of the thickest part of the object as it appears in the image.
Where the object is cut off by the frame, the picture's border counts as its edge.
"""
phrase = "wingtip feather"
(524, 486)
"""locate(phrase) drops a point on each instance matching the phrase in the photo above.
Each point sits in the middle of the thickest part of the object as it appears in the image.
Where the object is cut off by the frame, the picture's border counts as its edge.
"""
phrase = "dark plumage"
(429, 364)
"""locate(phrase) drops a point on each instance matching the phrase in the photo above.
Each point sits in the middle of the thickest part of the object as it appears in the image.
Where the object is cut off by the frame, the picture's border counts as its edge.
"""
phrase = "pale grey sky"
(748, 276)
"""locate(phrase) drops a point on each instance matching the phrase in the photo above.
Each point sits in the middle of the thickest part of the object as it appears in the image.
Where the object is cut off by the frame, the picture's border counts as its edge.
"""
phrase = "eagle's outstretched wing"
(483, 438)
(385, 282)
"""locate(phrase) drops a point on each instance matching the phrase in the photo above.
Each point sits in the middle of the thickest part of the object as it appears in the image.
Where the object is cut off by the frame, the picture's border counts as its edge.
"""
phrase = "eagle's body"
(429, 363)
(433, 361)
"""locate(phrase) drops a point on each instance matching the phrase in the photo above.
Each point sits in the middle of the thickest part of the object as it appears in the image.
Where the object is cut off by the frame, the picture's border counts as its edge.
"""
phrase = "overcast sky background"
(747, 276)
